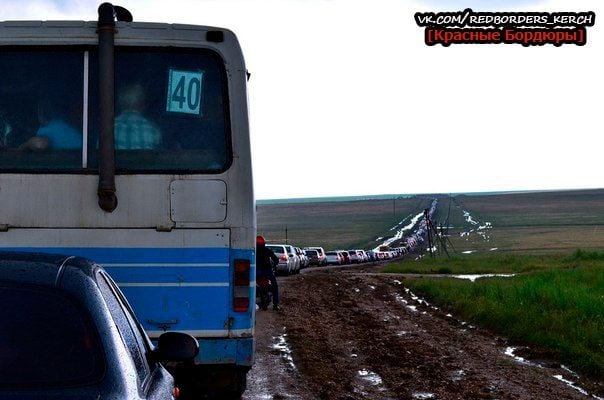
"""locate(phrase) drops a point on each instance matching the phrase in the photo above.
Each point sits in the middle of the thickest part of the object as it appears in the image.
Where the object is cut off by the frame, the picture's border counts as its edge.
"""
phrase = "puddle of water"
(468, 218)
(423, 395)
(397, 282)
(357, 290)
(417, 299)
(473, 278)
(370, 377)
(412, 308)
(401, 333)
(570, 371)
(493, 249)
(509, 351)
(400, 299)
(283, 348)
(399, 234)
(571, 384)
(458, 375)
(449, 315)
(478, 228)
(468, 252)
(371, 287)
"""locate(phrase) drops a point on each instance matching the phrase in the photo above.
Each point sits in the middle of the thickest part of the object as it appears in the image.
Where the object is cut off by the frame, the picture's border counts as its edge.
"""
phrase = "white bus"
(128, 143)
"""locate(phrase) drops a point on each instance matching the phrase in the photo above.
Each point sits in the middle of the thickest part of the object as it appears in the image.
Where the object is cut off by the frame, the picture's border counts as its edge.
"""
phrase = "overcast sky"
(346, 99)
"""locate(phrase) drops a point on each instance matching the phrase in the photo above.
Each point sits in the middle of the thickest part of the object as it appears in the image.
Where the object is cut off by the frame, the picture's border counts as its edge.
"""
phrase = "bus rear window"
(171, 112)
(41, 96)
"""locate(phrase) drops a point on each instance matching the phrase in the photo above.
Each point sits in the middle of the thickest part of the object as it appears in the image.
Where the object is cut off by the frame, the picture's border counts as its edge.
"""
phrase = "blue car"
(67, 332)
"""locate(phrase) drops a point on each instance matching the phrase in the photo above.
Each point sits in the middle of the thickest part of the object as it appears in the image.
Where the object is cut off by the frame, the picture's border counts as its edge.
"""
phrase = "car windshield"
(46, 340)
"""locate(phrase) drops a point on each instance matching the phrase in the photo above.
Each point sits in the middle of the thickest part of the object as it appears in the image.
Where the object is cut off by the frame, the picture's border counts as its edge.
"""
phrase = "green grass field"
(335, 225)
(555, 302)
(540, 222)
(480, 264)
(528, 222)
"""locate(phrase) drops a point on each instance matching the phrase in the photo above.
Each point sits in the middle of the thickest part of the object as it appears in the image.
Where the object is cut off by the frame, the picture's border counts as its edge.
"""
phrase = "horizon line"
(395, 195)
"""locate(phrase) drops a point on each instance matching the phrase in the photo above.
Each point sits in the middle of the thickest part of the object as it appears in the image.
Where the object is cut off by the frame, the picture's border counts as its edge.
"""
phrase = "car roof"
(280, 245)
(40, 268)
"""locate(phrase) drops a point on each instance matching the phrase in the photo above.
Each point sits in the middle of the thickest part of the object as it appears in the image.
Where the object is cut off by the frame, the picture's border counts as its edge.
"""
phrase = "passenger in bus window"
(6, 130)
(133, 131)
(54, 131)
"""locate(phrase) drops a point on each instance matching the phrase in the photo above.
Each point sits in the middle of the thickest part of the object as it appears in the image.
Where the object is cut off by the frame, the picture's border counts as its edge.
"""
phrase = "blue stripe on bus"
(111, 255)
(169, 275)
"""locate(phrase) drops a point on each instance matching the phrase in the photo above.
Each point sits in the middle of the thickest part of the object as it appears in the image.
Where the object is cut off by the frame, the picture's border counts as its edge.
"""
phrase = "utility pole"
(286, 234)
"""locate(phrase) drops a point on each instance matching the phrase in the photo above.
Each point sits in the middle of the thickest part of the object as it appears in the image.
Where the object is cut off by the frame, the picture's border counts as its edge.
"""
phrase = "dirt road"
(353, 334)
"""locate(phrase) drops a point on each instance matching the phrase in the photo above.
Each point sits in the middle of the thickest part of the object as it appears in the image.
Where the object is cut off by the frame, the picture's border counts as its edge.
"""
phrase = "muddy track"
(345, 334)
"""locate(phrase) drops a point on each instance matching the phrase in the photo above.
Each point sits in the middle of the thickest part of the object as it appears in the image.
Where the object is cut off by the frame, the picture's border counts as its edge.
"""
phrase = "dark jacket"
(266, 260)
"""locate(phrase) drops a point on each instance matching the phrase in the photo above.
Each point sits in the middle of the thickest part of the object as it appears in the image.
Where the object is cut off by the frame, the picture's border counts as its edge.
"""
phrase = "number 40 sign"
(184, 92)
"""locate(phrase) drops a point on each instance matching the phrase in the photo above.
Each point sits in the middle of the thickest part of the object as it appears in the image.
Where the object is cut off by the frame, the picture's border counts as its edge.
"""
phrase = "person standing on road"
(266, 261)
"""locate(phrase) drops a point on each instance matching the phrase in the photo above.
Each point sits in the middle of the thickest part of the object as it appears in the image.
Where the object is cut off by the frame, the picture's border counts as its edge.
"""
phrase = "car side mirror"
(176, 346)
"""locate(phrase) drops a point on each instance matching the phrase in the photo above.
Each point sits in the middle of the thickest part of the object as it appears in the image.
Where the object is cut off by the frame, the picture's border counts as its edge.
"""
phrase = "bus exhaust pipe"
(108, 13)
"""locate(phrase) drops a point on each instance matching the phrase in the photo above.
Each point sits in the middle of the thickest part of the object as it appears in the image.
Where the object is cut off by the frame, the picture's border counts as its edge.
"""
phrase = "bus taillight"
(241, 286)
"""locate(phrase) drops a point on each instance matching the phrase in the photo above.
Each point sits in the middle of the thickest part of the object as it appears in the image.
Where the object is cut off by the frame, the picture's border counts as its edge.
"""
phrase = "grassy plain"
(528, 222)
(558, 305)
(336, 225)
(508, 263)
(539, 222)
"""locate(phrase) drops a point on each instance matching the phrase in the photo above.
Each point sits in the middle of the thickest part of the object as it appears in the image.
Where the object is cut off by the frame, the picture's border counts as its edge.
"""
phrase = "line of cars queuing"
(342, 257)
(292, 259)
